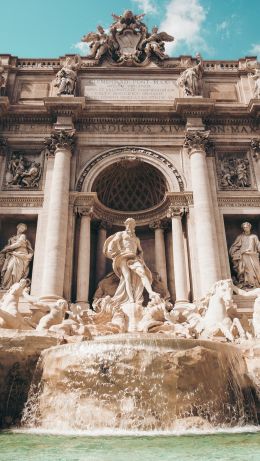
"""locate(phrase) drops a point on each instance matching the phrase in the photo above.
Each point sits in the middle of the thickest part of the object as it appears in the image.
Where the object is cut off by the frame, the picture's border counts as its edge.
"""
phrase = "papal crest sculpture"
(128, 41)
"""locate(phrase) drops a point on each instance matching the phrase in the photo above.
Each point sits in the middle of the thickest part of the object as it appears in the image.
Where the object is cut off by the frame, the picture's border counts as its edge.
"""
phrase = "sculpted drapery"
(125, 250)
(245, 257)
(16, 257)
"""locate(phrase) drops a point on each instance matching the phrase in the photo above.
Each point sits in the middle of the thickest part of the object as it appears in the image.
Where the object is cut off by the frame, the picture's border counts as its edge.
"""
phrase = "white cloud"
(255, 49)
(146, 6)
(81, 47)
(223, 25)
(184, 20)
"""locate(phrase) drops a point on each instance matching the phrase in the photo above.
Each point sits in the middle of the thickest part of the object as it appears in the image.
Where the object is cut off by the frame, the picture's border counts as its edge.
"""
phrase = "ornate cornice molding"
(145, 217)
(21, 201)
(239, 202)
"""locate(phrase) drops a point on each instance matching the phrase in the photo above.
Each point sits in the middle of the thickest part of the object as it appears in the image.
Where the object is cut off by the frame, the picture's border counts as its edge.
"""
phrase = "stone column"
(179, 261)
(83, 272)
(207, 247)
(160, 258)
(101, 259)
(60, 144)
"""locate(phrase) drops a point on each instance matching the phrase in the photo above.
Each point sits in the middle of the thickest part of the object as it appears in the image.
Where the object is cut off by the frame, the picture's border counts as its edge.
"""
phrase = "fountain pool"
(192, 447)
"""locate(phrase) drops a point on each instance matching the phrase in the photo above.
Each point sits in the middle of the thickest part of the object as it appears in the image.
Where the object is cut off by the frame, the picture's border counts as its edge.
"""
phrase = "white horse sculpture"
(217, 318)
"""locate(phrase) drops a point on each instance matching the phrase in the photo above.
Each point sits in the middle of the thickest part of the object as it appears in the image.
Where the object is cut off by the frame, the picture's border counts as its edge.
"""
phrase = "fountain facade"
(121, 239)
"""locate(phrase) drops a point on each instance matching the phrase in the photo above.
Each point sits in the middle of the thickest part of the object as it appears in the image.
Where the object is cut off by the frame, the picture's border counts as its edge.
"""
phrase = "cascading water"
(139, 382)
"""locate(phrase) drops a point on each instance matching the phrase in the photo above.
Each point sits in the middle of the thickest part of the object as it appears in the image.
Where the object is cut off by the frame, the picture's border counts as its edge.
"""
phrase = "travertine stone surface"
(19, 353)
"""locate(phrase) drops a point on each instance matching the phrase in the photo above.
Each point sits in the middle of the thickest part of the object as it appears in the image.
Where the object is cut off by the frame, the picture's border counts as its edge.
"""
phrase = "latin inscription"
(105, 89)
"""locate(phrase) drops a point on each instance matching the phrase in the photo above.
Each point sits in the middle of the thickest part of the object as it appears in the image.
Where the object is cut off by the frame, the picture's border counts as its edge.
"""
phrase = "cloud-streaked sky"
(218, 29)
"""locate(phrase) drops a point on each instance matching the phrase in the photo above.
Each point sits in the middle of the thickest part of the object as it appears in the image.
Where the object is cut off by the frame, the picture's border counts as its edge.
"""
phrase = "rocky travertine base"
(19, 353)
(142, 382)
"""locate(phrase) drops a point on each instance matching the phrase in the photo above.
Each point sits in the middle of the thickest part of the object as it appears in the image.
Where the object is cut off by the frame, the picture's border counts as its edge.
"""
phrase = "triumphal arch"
(127, 131)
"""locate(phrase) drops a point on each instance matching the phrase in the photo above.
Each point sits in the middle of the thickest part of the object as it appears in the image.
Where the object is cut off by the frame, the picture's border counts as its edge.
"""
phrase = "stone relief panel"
(23, 171)
(235, 171)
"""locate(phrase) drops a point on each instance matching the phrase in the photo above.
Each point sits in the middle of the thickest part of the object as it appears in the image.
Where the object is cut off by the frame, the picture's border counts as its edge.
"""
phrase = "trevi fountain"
(130, 273)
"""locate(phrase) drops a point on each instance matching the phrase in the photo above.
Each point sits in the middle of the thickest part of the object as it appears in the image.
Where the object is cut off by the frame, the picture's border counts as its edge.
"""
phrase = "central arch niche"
(130, 185)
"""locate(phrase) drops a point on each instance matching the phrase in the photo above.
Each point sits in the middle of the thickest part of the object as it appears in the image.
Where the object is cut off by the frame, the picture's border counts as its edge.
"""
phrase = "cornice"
(238, 201)
(21, 200)
(144, 217)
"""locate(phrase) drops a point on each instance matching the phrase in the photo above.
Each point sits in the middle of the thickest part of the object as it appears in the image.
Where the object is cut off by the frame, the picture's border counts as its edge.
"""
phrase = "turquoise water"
(221, 447)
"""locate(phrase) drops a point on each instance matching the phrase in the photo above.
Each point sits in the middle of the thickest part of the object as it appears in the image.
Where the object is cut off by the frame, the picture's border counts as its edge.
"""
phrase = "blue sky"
(218, 29)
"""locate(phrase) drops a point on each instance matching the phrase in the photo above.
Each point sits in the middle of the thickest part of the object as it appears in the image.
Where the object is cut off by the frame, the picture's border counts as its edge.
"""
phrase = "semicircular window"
(130, 185)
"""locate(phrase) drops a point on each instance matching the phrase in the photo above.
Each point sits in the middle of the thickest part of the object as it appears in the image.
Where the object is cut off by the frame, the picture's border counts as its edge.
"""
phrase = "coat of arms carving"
(128, 41)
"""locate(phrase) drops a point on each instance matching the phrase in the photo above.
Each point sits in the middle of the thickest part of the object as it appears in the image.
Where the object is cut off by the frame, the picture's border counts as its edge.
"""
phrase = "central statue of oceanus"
(125, 250)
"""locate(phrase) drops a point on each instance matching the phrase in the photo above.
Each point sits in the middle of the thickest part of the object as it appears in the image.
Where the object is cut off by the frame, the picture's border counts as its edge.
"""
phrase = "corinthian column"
(160, 258)
(59, 144)
(179, 261)
(207, 247)
(83, 272)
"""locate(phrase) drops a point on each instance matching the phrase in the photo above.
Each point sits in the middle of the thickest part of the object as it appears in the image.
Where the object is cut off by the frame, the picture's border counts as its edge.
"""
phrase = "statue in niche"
(191, 79)
(15, 258)
(23, 173)
(245, 258)
(234, 173)
(125, 250)
(99, 43)
(66, 77)
(154, 44)
(256, 78)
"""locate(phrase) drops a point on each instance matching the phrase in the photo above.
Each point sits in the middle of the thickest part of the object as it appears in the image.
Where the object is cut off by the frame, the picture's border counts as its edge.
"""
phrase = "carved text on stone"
(130, 89)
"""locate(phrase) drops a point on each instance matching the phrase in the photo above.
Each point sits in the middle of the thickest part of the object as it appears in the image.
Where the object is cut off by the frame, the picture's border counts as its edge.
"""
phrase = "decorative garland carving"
(239, 202)
(135, 151)
(25, 201)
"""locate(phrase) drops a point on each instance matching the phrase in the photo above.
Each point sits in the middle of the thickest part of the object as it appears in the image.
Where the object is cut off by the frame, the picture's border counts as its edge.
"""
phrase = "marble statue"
(99, 43)
(15, 258)
(244, 253)
(66, 77)
(23, 173)
(128, 20)
(55, 316)
(125, 250)
(191, 79)
(10, 317)
(256, 78)
(217, 319)
(128, 41)
(154, 44)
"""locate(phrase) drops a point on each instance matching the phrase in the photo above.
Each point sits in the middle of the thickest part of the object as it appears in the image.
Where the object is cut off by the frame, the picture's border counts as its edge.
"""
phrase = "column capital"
(84, 211)
(102, 225)
(255, 148)
(196, 140)
(60, 140)
(176, 212)
(158, 225)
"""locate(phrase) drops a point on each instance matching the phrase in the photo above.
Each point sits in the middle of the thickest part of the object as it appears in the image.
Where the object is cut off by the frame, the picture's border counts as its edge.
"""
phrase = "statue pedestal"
(134, 313)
